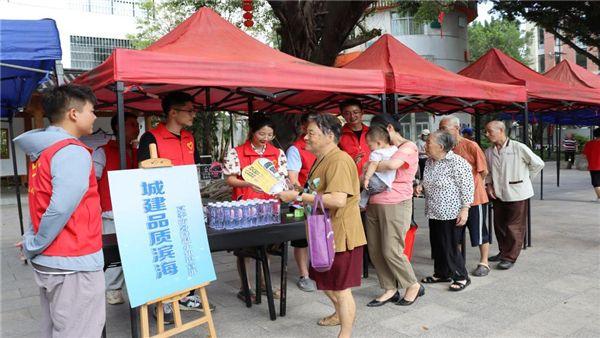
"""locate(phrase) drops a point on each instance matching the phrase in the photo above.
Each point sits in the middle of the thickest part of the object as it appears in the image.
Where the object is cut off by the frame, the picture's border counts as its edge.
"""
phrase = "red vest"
(247, 156)
(111, 150)
(179, 150)
(307, 158)
(82, 235)
(353, 146)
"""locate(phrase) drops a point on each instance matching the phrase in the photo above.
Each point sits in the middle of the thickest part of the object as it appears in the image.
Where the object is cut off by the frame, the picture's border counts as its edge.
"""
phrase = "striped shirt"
(569, 145)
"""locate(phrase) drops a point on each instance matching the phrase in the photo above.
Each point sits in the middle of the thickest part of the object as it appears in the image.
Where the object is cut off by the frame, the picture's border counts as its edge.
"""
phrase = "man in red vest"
(299, 163)
(106, 158)
(172, 141)
(178, 145)
(64, 241)
(353, 139)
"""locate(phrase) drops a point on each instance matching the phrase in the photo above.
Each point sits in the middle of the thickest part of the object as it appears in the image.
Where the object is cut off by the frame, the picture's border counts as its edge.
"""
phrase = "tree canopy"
(502, 34)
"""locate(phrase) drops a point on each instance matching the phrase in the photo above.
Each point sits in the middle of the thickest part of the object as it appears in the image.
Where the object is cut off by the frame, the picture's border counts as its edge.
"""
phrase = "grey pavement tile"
(18, 328)
(572, 284)
(21, 303)
(558, 320)
(585, 332)
(428, 316)
(10, 294)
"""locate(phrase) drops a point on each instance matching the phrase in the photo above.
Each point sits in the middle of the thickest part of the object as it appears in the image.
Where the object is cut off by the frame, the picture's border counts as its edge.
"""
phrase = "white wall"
(446, 49)
(70, 20)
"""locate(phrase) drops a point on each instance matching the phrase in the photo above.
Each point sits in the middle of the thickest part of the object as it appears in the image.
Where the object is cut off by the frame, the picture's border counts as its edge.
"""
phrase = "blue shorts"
(476, 223)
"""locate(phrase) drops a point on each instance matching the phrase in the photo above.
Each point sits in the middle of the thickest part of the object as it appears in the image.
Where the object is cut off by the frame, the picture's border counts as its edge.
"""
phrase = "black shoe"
(494, 258)
(505, 265)
(376, 303)
(404, 302)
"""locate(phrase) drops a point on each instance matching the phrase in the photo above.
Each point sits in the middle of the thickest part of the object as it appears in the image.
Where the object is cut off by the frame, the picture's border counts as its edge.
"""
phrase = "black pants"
(421, 167)
(447, 259)
(570, 158)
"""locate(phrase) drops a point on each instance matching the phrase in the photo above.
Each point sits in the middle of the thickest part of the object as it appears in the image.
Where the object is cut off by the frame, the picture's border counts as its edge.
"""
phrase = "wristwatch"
(299, 198)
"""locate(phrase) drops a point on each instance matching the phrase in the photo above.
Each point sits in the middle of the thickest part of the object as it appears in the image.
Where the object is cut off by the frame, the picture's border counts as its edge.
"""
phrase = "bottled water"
(246, 213)
(238, 215)
(275, 212)
(253, 206)
(227, 219)
(209, 214)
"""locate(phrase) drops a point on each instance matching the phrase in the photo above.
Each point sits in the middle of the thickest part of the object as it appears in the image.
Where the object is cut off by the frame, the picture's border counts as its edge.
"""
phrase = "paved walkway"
(553, 290)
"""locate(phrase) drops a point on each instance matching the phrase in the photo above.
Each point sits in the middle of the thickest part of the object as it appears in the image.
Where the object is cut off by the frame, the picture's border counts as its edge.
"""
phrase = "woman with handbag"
(334, 178)
(389, 219)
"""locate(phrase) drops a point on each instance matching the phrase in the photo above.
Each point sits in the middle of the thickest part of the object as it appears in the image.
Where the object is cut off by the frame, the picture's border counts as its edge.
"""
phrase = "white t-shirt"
(384, 154)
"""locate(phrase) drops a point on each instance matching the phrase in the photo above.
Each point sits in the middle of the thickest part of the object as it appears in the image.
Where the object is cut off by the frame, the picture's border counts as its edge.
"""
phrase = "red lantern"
(248, 16)
(247, 7)
(249, 23)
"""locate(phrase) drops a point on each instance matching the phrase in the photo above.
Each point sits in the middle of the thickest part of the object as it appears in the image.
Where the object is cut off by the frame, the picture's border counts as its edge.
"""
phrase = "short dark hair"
(259, 120)
(597, 132)
(384, 120)
(175, 99)
(379, 133)
(327, 124)
(57, 101)
(350, 102)
(114, 121)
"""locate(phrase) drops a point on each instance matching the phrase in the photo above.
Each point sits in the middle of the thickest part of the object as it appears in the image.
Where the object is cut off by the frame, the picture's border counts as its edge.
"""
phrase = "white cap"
(425, 132)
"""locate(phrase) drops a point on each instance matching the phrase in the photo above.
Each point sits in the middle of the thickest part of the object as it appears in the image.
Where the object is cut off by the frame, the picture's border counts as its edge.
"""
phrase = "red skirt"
(345, 273)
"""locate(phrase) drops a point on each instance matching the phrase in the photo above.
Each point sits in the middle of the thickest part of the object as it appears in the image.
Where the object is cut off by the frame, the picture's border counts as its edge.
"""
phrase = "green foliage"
(502, 34)
(581, 141)
(159, 18)
(426, 11)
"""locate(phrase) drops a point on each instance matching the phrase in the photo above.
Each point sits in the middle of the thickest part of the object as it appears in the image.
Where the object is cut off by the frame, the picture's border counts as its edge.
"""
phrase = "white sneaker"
(193, 303)
(114, 297)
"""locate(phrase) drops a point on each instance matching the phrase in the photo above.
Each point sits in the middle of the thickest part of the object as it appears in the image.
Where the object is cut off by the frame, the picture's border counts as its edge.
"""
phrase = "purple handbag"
(320, 238)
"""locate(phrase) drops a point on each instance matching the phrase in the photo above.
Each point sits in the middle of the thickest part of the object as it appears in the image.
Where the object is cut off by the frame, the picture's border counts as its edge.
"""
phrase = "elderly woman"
(335, 177)
(388, 220)
(448, 188)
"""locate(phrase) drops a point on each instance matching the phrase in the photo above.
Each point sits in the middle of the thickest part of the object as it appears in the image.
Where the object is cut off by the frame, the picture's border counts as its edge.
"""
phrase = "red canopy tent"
(574, 75)
(425, 86)
(543, 93)
(207, 55)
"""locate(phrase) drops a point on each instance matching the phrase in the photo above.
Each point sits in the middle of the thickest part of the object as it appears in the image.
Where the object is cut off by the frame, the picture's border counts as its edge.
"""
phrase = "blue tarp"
(27, 43)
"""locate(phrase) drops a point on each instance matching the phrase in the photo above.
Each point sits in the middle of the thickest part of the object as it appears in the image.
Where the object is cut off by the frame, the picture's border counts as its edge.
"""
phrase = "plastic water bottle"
(253, 212)
(245, 214)
(209, 215)
(226, 216)
(276, 212)
(238, 211)
(262, 213)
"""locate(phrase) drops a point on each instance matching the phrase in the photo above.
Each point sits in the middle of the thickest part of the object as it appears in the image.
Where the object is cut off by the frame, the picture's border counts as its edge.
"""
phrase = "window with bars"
(87, 52)
(402, 24)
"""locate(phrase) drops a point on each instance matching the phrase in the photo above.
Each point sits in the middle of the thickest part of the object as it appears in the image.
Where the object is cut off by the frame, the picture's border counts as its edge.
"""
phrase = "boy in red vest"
(106, 158)
(353, 140)
(178, 145)
(64, 242)
(299, 163)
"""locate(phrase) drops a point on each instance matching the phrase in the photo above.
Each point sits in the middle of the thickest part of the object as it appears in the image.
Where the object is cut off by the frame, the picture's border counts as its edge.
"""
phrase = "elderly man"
(471, 152)
(512, 166)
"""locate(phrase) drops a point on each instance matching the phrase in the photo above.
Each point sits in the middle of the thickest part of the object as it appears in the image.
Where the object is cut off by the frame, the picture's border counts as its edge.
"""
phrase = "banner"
(160, 230)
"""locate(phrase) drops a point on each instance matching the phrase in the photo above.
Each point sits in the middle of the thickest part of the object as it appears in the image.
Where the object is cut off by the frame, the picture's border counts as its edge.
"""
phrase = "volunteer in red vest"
(353, 140)
(106, 158)
(299, 163)
(176, 144)
(257, 146)
(171, 139)
(64, 241)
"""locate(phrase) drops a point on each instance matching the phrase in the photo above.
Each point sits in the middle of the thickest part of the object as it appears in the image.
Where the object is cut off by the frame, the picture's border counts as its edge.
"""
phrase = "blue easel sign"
(160, 230)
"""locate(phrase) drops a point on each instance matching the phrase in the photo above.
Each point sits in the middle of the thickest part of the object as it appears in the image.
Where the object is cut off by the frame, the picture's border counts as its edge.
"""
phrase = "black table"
(258, 238)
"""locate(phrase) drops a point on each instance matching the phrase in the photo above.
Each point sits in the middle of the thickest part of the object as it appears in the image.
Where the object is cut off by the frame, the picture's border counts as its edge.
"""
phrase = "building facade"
(547, 51)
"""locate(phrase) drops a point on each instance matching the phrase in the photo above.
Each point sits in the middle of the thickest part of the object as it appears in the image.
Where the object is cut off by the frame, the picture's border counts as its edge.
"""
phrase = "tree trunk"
(316, 30)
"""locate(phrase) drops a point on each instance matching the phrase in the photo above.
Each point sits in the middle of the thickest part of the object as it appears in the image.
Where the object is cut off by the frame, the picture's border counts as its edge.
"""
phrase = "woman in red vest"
(257, 146)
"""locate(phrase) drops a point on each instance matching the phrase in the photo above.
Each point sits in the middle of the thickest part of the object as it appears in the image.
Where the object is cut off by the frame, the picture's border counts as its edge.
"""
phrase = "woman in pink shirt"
(388, 220)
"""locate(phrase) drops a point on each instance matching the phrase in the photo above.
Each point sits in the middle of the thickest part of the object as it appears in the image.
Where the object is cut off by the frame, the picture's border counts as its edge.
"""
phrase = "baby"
(376, 182)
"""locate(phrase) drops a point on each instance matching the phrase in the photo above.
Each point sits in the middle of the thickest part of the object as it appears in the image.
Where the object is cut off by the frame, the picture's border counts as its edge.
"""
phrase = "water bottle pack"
(243, 214)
